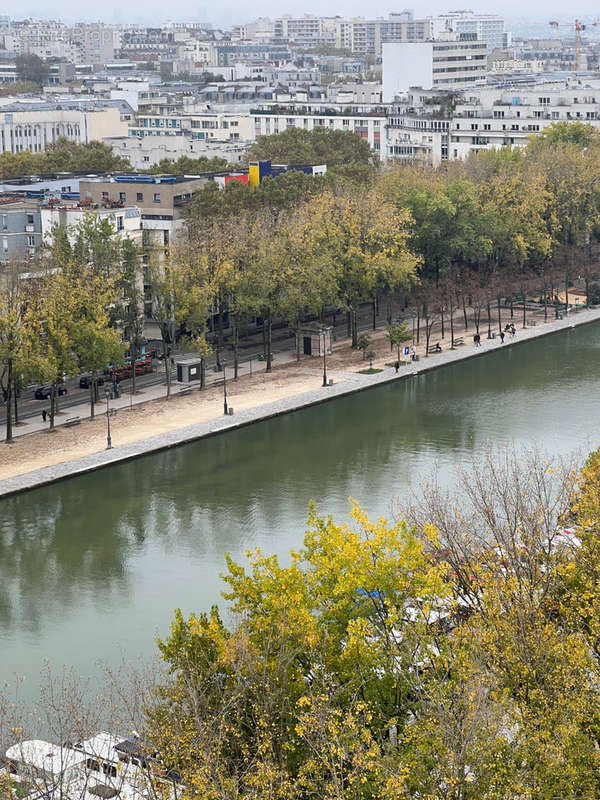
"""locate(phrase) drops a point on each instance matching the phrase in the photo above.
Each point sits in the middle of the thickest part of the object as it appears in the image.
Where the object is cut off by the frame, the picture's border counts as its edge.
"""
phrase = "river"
(91, 568)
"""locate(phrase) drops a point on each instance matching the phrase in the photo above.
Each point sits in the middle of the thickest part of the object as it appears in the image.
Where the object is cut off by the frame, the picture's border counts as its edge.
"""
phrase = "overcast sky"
(229, 12)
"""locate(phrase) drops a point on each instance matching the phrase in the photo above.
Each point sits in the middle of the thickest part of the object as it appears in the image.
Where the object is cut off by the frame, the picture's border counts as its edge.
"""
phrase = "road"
(283, 340)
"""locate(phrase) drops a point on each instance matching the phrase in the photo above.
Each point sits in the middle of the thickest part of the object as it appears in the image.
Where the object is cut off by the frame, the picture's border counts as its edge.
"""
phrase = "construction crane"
(578, 27)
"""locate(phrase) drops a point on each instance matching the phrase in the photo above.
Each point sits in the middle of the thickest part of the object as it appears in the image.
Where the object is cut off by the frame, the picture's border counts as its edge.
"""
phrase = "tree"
(32, 68)
(319, 146)
(130, 312)
(15, 341)
(397, 333)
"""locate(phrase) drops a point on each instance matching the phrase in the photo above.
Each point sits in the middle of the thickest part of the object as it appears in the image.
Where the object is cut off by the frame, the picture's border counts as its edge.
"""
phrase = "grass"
(369, 371)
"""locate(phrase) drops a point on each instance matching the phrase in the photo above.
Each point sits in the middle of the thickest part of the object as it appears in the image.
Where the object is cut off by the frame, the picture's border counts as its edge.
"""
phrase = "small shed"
(189, 369)
(315, 339)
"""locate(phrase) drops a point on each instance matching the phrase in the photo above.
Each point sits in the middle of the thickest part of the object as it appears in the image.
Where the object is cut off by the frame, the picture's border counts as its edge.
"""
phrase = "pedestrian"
(512, 330)
(501, 337)
(396, 365)
(44, 414)
(477, 340)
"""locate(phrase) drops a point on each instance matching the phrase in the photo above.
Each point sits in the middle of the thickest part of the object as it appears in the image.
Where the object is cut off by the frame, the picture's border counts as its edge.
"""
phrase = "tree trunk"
(374, 314)
(167, 362)
(92, 397)
(298, 356)
(524, 311)
(235, 338)
(442, 321)
(219, 336)
(489, 315)
(15, 404)
(451, 327)
(52, 406)
(348, 324)
(133, 375)
(418, 326)
(427, 334)
(9, 390)
(587, 290)
(499, 315)
(464, 307)
(545, 304)
(512, 308)
(354, 327)
(202, 373)
(264, 338)
(269, 329)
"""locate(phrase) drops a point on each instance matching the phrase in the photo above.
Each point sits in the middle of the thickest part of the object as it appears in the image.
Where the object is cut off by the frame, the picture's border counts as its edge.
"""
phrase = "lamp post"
(225, 409)
(108, 439)
(324, 357)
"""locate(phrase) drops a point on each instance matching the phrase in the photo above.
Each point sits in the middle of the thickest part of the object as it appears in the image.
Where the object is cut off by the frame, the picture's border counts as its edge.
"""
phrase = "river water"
(91, 568)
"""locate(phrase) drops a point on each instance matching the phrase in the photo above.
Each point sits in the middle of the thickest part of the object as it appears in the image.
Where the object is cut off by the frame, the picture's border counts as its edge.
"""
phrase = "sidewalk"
(145, 395)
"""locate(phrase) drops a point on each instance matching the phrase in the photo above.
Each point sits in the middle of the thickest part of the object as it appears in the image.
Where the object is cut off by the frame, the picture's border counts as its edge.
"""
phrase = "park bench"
(458, 341)
(433, 349)
(72, 421)
(532, 323)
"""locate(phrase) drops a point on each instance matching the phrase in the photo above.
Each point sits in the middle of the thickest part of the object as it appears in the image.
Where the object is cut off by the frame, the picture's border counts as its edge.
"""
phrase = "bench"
(70, 421)
(457, 342)
(532, 323)
(433, 348)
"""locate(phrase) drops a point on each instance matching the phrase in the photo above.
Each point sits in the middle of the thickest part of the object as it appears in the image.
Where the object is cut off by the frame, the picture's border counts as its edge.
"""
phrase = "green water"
(92, 568)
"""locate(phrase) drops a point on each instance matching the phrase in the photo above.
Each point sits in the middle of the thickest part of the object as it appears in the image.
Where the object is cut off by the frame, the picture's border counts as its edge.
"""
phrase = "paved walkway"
(353, 382)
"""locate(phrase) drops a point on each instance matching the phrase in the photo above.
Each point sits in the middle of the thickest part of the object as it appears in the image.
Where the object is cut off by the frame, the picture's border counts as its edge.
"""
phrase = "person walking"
(501, 337)
(44, 414)
(477, 340)
(513, 330)
(396, 365)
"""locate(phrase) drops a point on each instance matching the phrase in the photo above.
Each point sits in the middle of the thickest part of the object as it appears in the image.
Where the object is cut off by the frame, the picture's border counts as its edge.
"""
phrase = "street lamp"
(108, 440)
(225, 409)
(324, 358)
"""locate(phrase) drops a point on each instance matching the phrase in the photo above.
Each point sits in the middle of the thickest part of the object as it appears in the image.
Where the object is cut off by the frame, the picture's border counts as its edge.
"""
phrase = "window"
(31, 241)
(5, 244)
(4, 221)
(122, 196)
(30, 219)
(105, 197)
(146, 158)
(139, 198)
(119, 223)
(157, 197)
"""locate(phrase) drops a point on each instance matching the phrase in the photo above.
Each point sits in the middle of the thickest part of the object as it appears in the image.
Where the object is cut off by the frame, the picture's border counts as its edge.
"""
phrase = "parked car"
(45, 392)
(85, 380)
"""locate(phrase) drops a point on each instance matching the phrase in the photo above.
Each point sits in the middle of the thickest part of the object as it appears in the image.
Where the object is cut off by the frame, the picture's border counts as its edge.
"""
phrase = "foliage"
(62, 156)
(31, 69)
(319, 146)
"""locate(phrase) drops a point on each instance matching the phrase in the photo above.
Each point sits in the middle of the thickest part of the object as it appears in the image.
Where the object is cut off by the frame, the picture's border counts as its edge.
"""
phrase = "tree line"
(461, 241)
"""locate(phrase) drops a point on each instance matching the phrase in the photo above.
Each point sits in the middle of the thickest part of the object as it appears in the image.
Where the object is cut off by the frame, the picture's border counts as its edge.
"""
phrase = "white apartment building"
(144, 152)
(206, 126)
(126, 222)
(488, 28)
(491, 118)
(35, 126)
(449, 64)
(369, 124)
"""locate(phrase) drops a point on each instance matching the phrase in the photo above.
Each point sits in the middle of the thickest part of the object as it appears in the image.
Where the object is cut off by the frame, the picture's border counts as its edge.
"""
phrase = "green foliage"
(62, 156)
(319, 146)
(190, 166)
(19, 87)
(32, 69)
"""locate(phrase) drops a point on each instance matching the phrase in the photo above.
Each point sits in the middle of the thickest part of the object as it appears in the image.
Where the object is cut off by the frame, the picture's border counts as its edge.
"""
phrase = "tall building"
(449, 64)
(488, 28)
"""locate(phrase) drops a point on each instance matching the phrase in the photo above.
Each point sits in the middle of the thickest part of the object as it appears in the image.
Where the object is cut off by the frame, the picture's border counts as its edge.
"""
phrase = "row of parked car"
(143, 365)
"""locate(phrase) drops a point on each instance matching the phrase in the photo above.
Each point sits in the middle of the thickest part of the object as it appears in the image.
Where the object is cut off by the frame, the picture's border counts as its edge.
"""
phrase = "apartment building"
(488, 28)
(20, 227)
(220, 126)
(450, 64)
(367, 122)
(146, 151)
(33, 126)
(493, 117)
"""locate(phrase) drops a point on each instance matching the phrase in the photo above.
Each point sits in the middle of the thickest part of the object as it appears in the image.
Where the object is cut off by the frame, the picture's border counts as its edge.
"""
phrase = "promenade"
(40, 458)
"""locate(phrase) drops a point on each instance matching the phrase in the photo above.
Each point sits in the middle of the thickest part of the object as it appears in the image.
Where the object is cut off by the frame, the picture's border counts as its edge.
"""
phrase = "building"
(209, 125)
(34, 125)
(488, 28)
(143, 152)
(449, 64)
(20, 227)
(366, 121)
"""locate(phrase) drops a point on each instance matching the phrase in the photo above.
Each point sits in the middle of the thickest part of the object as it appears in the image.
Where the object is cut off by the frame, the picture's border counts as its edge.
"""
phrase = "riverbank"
(31, 461)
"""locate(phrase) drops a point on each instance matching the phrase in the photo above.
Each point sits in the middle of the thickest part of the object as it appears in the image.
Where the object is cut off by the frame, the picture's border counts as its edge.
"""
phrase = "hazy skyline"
(231, 13)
